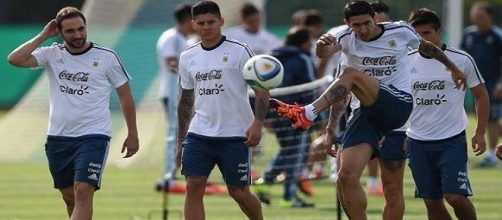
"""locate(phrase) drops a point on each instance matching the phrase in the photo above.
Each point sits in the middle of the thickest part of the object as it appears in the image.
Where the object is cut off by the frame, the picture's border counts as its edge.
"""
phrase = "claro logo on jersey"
(81, 90)
(430, 101)
(212, 91)
(211, 75)
(388, 63)
(76, 77)
(432, 85)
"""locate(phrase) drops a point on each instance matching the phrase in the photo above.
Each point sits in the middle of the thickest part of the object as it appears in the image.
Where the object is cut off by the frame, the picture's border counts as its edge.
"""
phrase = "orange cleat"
(295, 113)
(306, 187)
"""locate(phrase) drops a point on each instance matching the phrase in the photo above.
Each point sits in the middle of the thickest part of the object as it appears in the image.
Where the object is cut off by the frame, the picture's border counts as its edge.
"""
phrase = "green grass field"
(127, 193)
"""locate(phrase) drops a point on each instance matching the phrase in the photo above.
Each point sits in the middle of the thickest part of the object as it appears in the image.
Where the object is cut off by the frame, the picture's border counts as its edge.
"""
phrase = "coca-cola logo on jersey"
(432, 85)
(211, 75)
(385, 60)
(76, 77)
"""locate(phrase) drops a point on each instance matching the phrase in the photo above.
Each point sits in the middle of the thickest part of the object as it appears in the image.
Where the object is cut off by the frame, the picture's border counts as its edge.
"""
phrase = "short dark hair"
(66, 13)
(297, 36)
(423, 16)
(183, 12)
(204, 7)
(248, 9)
(484, 6)
(313, 17)
(380, 7)
(356, 7)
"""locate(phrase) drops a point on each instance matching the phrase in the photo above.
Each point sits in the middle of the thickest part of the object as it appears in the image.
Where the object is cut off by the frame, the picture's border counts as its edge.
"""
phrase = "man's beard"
(75, 43)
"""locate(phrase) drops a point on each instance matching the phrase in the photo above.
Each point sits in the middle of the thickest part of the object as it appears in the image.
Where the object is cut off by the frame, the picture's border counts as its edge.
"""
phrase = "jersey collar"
(379, 35)
(91, 45)
(223, 38)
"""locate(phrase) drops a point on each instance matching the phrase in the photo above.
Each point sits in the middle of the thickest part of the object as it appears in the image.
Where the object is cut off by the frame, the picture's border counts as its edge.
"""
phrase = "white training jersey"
(170, 44)
(262, 42)
(438, 110)
(385, 57)
(222, 107)
(80, 88)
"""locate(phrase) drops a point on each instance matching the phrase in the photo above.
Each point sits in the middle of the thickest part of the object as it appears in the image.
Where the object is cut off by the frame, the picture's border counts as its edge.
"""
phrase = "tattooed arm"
(185, 114)
(435, 52)
(253, 134)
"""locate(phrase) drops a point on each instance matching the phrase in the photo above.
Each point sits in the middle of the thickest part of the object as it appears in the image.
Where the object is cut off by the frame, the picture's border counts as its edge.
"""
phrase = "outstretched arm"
(131, 143)
(21, 56)
(185, 113)
(253, 134)
(435, 52)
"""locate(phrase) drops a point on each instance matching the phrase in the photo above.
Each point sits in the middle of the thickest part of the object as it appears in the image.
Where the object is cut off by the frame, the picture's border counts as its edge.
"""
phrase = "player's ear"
(193, 24)
(222, 20)
(346, 22)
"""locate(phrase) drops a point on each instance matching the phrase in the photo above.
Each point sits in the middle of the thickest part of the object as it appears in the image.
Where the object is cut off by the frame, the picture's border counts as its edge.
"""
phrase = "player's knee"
(68, 198)
(393, 191)
(455, 199)
(239, 194)
(393, 166)
(346, 177)
(83, 191)
(196, 185)
(350, 73)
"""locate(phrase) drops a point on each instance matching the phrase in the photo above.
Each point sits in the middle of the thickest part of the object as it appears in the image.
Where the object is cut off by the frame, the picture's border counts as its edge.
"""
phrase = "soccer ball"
(263, 72)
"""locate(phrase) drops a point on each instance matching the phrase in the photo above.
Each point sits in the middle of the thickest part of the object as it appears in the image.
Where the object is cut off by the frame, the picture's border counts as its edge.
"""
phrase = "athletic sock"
(310, 112)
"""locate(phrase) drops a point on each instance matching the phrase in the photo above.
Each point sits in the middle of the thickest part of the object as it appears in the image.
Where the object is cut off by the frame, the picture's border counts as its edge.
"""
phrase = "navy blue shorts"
(202, 153)
(369, 124)
(439, 167)
(392, 146)
(77, 159)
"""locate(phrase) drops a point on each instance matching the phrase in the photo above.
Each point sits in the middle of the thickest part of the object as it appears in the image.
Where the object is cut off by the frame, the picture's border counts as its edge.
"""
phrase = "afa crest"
(225, 58)
(95, 63)
(392, 43)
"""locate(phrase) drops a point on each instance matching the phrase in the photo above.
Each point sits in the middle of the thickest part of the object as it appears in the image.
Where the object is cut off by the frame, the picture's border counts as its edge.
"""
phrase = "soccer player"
(216, 122)
(81, 76)
(378, 75)
(483, 41)
(251, 32)
(391, 156)
(169, 47)
(437, 141)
